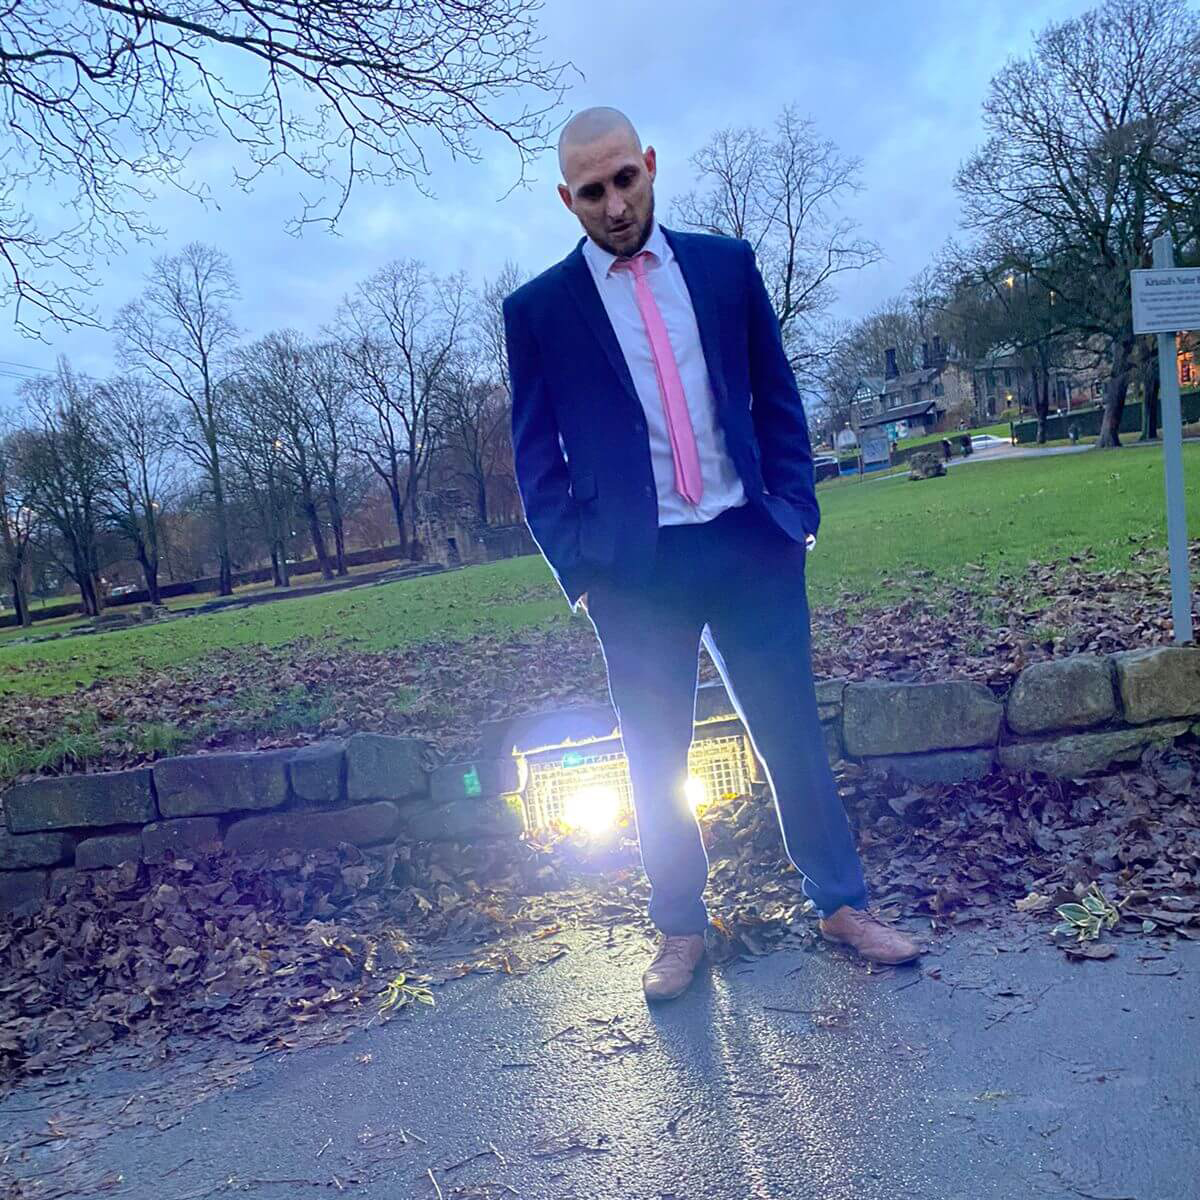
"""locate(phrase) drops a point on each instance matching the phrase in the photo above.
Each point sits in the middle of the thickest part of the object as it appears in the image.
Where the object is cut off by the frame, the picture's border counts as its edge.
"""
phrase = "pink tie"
(670, 387)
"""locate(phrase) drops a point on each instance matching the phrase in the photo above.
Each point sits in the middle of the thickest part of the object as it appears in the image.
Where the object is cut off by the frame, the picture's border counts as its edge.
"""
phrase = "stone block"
(201, 784)
(109, 850)
(834, 749)
(22, 891)
(1065, 693)
(534, 731)
(81, 801)
(18, 850)
(61, 879)
(947, 766)
(909, 718)
(471, 781)
(462, 821)
(1159, 683)
(360, 825)
(381, 767)
(1086, 753)
(318, 773)
(164, 840)
(830, 692)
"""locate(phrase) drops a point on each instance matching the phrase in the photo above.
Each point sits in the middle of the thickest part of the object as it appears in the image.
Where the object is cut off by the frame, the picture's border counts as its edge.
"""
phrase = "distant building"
(936, 397)
(1189, 361)
(1004, 382)
(448, 530)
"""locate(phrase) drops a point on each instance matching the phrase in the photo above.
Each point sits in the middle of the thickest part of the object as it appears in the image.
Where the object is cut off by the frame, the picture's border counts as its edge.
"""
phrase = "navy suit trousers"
(737, 584)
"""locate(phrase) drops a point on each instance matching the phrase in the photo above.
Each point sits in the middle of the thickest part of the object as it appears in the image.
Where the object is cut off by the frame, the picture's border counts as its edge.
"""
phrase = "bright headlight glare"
(593, 810)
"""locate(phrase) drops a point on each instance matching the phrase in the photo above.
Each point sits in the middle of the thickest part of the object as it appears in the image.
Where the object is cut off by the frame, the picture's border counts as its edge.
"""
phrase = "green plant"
(1085, 920)
(400, 992)
(161, 737)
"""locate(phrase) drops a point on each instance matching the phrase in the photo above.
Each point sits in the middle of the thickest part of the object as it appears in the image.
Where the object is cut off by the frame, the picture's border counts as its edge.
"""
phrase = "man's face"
(610, 188)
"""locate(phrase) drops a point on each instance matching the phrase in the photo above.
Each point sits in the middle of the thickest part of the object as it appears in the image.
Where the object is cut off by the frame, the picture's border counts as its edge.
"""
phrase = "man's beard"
(643, 238)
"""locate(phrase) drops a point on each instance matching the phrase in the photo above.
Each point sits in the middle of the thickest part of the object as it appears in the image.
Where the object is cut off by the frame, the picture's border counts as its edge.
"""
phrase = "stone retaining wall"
(1064, 717)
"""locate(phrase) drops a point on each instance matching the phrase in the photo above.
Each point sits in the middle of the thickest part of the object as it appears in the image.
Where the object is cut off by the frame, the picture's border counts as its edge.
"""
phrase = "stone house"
(936, 397)
(448, 531)
(1003, 380)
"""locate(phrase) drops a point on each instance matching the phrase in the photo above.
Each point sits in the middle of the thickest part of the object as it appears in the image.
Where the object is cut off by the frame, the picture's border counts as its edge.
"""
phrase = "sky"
(897, 84)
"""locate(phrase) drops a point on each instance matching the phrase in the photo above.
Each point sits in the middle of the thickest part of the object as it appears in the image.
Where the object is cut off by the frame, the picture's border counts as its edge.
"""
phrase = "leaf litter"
(273, 952)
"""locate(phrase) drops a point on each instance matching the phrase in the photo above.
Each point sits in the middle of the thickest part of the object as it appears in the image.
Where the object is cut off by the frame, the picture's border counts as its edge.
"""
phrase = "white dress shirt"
(722, 488)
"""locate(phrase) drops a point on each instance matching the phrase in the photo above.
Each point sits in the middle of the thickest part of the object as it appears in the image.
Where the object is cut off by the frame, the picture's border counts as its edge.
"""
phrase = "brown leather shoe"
(868, 935)
(674, 967)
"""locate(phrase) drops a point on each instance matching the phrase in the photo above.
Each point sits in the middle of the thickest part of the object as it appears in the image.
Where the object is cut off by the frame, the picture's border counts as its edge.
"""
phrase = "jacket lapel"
(699, 283)
(583, 289)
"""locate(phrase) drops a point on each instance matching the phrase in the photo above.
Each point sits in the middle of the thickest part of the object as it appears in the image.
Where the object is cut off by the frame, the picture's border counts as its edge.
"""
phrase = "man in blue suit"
(664, 464)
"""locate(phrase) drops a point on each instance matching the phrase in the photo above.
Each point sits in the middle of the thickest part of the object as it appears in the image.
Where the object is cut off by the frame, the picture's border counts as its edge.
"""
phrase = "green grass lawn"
(1000, 515)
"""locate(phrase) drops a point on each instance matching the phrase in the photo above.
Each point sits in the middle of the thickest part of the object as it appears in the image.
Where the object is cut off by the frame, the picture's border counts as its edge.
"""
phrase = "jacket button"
(649, 490)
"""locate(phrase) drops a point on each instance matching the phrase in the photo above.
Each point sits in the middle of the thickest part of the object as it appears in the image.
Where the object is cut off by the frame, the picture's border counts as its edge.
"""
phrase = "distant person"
(664, 464)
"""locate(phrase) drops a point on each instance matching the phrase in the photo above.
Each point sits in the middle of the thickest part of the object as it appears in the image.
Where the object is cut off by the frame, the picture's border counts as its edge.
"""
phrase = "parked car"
(987, 441)
(125, 589)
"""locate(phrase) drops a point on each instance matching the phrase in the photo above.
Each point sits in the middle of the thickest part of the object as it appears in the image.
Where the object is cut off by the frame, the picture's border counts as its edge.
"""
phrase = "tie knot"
(636, 264)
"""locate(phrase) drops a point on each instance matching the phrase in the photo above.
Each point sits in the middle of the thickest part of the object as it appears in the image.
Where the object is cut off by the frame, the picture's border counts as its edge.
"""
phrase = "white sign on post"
(874, 447)
(1165, 301)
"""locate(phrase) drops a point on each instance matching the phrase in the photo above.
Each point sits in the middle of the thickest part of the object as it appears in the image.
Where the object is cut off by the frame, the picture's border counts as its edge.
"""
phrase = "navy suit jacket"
(580, 446)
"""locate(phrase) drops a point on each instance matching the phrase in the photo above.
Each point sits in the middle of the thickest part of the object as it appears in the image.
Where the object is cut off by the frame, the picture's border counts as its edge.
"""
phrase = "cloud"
(897, 85)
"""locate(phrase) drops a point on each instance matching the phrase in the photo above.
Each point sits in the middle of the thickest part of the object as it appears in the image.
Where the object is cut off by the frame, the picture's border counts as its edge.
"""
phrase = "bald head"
(594, 125)
(608, 179)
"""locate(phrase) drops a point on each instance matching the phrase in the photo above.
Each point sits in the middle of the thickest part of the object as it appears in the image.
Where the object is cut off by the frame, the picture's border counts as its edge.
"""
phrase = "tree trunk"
(1041, 402)
(89, 594)
(150, 570)
(224, 559)
(318, 538)
(1150, 394)
(481, 502)
(398, 513)
(20, 599)
(339, 534)
(1114, 394)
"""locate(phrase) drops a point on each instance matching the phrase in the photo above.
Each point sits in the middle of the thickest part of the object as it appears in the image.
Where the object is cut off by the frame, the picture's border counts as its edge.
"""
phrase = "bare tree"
(995, 305)
(67, 464)
(1091, 154)
(783, 190)
(180, 334)
(332, 400)
(473, 416)
(473, 398)
(18, 521)
(272, 375)
(103, 99)
(859, 354)
(397, 331)
(138, 431)
(258, 475)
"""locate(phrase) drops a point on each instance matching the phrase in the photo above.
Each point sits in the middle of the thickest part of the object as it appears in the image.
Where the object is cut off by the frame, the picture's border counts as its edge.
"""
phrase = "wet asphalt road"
(1009, 1075)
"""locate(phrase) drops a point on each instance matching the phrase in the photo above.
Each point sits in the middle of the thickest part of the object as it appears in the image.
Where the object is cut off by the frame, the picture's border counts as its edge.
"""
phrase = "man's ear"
(651, 162)
(565, 193)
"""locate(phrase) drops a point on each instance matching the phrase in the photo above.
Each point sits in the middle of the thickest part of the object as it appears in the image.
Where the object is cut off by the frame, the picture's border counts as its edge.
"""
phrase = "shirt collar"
(602, 261)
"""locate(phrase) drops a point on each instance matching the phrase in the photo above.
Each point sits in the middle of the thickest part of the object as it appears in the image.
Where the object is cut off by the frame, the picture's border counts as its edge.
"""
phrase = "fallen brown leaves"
(274, 953)
(974, 627)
